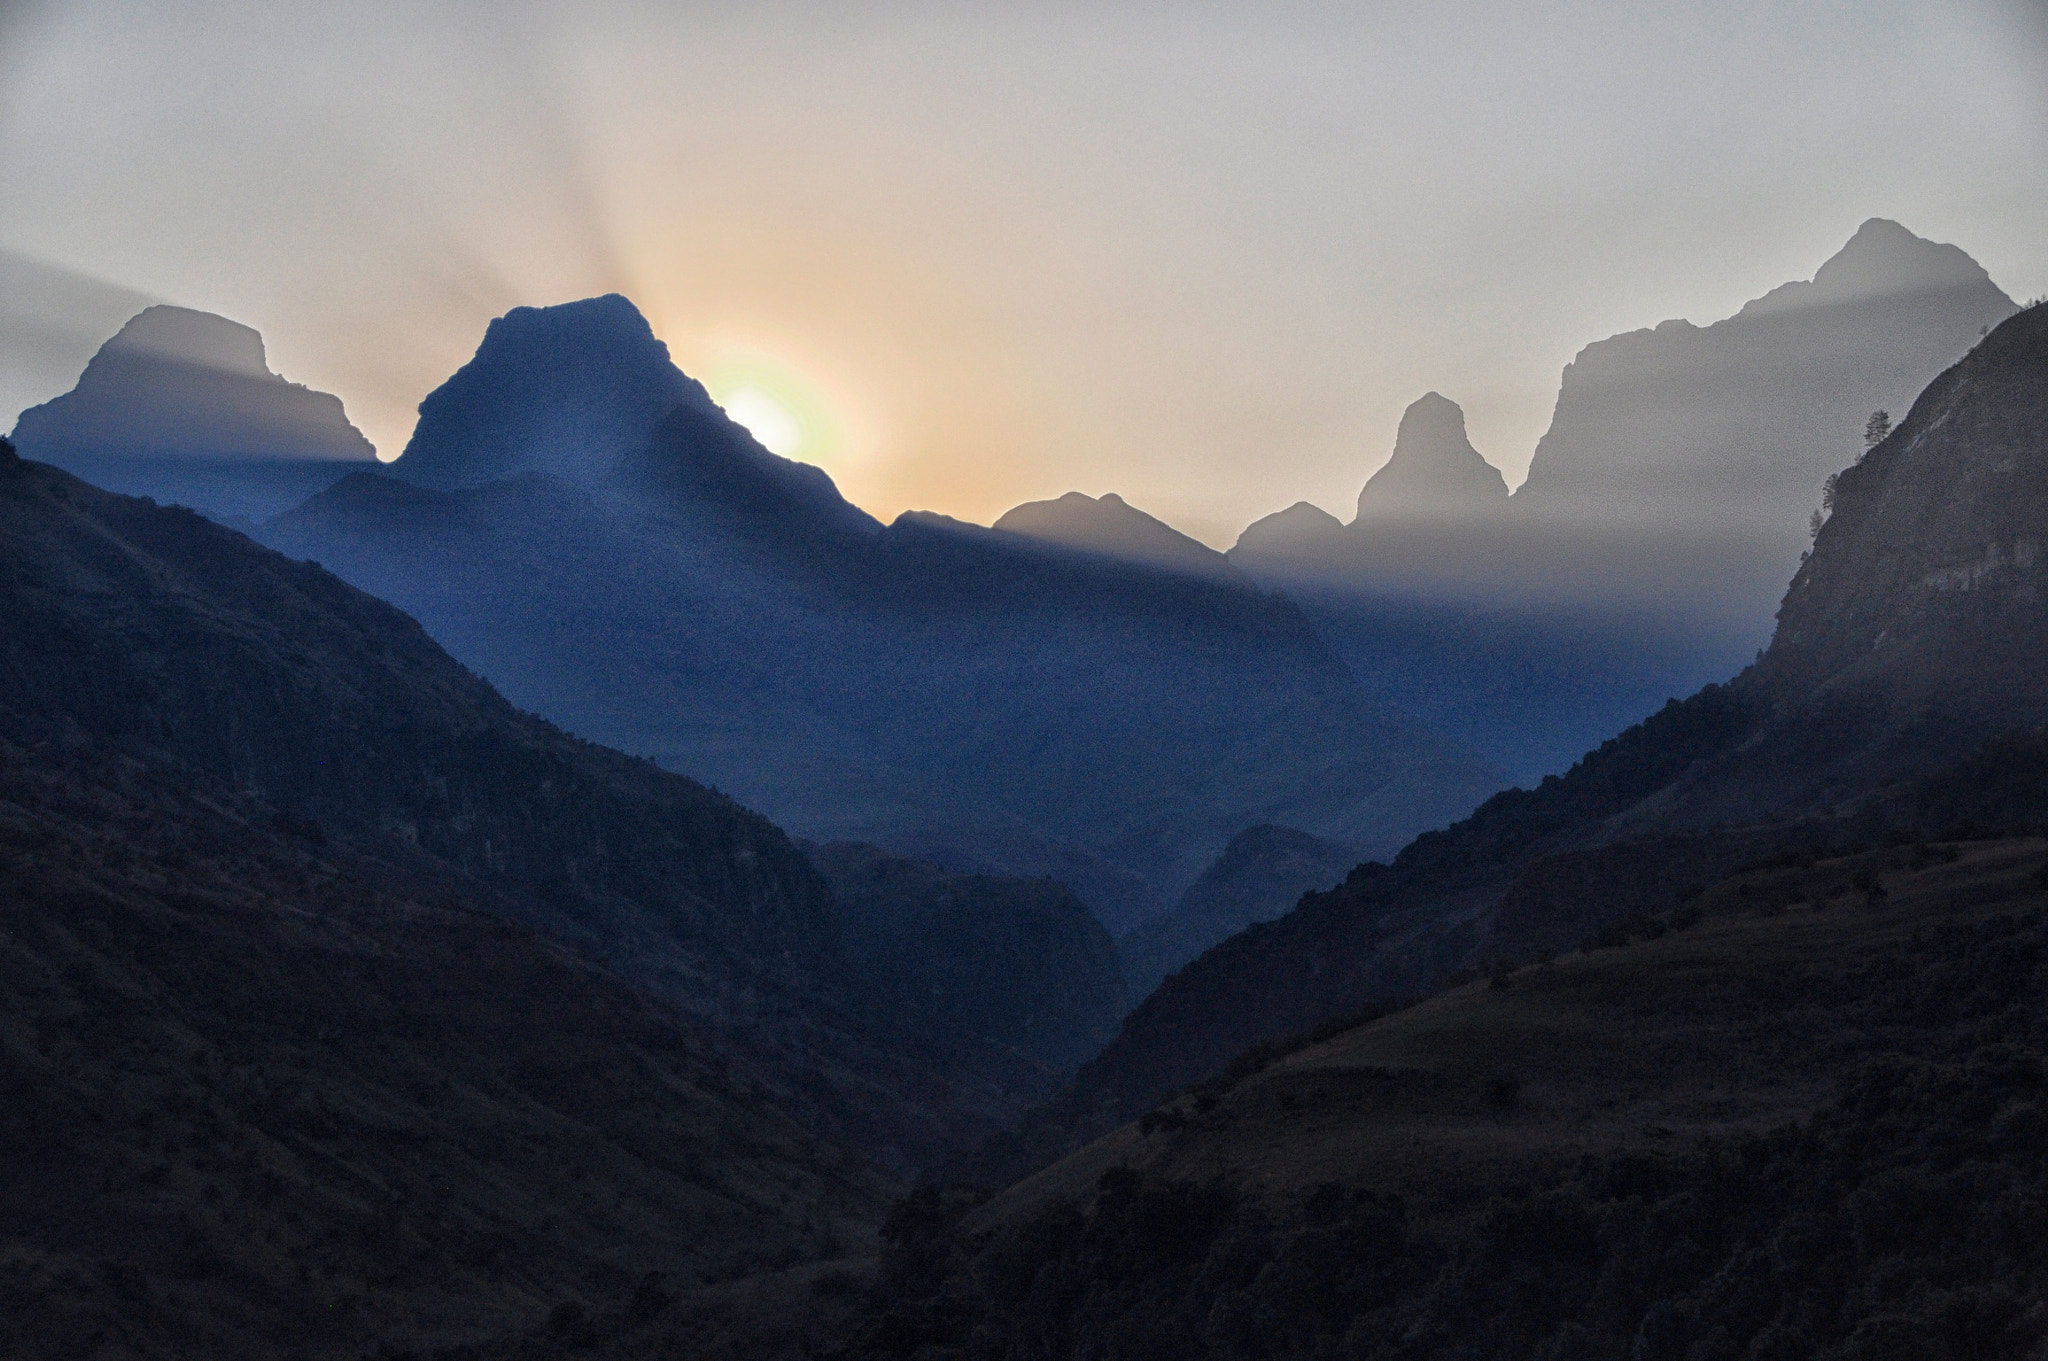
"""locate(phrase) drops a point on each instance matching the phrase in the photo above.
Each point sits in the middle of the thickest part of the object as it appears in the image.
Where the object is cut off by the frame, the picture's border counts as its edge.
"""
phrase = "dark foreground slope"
(260, 1096)
(222, 664)
(1909, 640)
(1811, 1130)
(575, 520)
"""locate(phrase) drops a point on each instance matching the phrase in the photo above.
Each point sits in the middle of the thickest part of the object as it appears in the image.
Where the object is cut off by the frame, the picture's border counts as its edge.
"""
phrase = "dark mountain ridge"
(1261, 875)
(1110, 525)
(182, 645)
(260, 1094)
(1021, 962)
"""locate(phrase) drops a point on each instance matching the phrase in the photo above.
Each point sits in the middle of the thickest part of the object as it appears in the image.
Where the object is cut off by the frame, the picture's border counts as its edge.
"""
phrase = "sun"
(776, 427)
(777, 404)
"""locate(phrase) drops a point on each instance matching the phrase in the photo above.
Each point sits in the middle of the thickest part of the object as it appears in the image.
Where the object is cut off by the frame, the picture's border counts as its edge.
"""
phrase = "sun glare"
(779, 406)
(767, 420)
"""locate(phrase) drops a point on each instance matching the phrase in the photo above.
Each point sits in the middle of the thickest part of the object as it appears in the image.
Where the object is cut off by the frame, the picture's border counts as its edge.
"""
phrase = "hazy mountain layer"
(1665, 510)
(1434, 473)
(182, 406)
(1739, 422)
(1906, 645)
(969, 696)
(1111, 526)
(1261, 874)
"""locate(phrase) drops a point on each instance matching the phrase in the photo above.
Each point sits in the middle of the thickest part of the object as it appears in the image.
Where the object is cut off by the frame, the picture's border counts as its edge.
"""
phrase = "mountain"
(179, 644)
(1434, 473)
(1742, 420)
(261, 1094)
(1665, 510)
(968, 696)
(1019, 962)
(182, 406)
(1261, 874)
(1904, 661)
(1114, 528)
(1296, 531)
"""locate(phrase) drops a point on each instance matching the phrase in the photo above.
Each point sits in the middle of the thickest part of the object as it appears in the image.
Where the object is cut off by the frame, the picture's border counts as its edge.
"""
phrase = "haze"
(1201, 256)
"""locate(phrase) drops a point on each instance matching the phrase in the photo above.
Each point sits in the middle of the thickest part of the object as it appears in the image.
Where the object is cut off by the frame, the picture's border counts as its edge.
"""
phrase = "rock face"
(1665, 511)
(1741, 421)
(182, 405)
(1907, 657)
(1261, 875)
(1114, 528)
(566, 391)
(1435, 473)
(973, 697)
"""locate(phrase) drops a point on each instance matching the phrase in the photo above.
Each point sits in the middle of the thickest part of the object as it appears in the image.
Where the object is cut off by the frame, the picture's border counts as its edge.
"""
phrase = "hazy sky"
(1202, 255)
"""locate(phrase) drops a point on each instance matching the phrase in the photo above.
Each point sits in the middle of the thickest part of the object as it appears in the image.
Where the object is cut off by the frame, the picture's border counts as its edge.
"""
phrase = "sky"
(967, 255)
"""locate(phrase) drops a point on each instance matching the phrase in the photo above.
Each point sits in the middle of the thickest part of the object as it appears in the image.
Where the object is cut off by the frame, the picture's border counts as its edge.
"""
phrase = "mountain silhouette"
(1901, 694)
(1112, 527)
(1665, 510)
(969, 696)
(182, 406)
(1740, 421)
(1434, 473)
(1020, 962)
(1298, 531)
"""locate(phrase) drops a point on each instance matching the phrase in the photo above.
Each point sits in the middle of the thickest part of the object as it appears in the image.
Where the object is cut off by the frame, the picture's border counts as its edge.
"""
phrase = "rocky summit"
(182, 406)
(1435, 473)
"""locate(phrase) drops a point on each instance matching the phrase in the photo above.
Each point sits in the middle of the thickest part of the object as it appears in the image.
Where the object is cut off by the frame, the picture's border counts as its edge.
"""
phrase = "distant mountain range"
(577, 521)
(1903, 693)
(1665, 509)
(352, 1006)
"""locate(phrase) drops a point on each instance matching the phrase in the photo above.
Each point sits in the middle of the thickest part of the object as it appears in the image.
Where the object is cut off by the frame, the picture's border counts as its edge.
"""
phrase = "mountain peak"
(178, 384)
(1113, 527)
(1297, 529)
(1435, 472)
(565, 390)
(202, 340)
(1883, 259)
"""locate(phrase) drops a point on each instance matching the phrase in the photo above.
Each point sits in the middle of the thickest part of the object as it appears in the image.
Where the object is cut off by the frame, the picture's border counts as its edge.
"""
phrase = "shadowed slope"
(261, 1096)
(196, 651)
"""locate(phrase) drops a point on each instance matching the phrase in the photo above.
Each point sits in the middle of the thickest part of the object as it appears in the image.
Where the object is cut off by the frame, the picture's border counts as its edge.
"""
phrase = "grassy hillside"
(261, 1096)
(1806, 1121)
